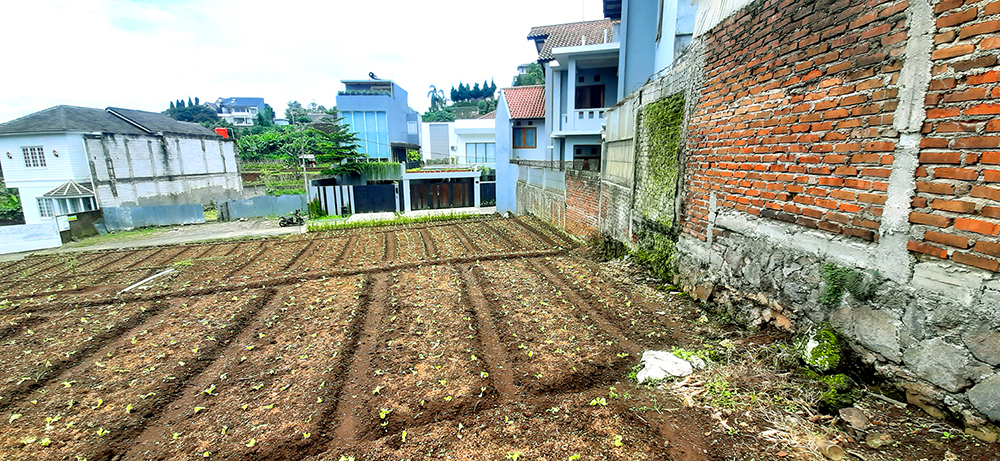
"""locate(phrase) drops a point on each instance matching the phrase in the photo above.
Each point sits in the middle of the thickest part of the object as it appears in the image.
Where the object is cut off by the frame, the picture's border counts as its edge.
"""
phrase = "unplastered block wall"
(956, 211)
(795, 118)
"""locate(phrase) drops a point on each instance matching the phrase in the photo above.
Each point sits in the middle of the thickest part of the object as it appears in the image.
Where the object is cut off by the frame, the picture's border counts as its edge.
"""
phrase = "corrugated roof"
(70, 189)
(572, 34)
(525, 101)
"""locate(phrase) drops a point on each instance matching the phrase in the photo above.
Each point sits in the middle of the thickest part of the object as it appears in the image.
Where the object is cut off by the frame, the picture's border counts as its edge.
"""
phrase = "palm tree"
(437, 98)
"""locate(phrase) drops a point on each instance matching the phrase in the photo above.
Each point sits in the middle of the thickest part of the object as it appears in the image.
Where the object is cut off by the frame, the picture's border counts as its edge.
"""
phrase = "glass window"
(44, 207)
(34, 157)
(524, 138)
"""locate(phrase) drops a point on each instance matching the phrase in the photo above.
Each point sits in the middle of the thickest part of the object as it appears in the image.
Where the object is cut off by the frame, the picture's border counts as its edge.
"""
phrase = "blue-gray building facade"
(378, 111)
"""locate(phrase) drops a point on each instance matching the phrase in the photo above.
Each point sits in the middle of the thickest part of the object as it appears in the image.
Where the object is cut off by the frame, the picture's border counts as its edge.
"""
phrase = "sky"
(144, 54)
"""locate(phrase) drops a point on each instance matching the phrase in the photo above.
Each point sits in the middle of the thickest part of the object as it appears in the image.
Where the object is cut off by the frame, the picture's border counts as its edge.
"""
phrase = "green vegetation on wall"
(839, 279)
(374, 170)
(661, 130)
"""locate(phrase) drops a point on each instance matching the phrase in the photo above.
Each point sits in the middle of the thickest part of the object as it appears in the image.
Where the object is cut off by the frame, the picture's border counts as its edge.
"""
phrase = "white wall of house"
(68, 162)
(473, 131)
(542, 141)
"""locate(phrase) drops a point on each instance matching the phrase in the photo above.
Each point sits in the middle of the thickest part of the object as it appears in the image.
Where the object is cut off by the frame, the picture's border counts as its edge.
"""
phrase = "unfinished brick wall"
(795, 116)
(583, 192)
(956, 211)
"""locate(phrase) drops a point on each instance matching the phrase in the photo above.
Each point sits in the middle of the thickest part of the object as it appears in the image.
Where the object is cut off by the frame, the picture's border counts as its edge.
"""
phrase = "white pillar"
(406, 195)
(476, 191)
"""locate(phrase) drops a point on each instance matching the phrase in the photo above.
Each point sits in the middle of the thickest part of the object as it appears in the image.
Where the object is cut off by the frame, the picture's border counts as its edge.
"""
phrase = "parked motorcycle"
(295, 219)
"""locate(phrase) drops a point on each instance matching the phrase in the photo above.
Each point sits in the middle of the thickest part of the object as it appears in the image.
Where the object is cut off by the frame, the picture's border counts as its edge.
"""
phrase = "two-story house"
(378, 111)
(67, 159)
(239, 111)
(520, 135)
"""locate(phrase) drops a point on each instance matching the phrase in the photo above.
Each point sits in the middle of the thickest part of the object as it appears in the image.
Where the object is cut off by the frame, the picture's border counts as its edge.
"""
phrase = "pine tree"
(454, 93)
(190, 104)
(493, 88)
(486, 90)
(477, 92)
(172, 104)
(196, 102)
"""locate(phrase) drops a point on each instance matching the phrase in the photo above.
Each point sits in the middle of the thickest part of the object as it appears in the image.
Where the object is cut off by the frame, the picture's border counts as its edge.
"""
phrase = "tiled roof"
(560, 35)
(70, 189)
(525, 101)
(491, 115)
(157, 122)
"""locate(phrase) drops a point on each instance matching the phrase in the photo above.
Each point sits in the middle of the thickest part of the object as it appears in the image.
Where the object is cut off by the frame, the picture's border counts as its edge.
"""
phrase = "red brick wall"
(956, 211)
(795, 117)
(583, 192)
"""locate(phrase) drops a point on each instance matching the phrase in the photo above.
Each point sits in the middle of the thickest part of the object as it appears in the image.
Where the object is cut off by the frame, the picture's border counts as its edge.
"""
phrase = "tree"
(533, 76)
(196, 101)
(454, 93)
(191, 113)
(487, 93)
(171, 104)
(438, 116)
(264, 117)
(328, 141)
(295, 112)
(190, 104)
(493, 88)
(437, 98)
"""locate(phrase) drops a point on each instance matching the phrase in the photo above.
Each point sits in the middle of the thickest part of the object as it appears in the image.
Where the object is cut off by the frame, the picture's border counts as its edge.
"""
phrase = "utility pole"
(304, 157)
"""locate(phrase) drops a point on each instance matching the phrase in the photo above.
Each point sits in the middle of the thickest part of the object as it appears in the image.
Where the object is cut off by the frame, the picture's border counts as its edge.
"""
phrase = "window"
(524, 138)
(45, 208)
(480, 152)
(34, 157)
(590, 97)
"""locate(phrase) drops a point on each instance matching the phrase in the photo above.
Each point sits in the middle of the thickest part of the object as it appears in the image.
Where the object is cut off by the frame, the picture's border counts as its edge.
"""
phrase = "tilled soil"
(477, 339)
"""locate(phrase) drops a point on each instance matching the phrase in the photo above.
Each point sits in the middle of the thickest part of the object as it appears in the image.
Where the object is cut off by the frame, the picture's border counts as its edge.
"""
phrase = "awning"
(71, 189)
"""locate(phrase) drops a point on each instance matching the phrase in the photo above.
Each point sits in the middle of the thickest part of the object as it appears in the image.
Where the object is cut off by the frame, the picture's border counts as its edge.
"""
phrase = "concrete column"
(556, 93)
(892, 258)
(476, 191)
(571, 95)
(406, 196)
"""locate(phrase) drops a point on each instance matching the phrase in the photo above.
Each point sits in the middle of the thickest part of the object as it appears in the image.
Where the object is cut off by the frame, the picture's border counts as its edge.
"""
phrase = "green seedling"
(377, 390)
(251, 443)
(599, 401)
(617, 441)
(574, 457)
(101, 432)
(198, 409)
(14, 417)
(403, 436)
(175, 435)
(515, 456)
(306, 435)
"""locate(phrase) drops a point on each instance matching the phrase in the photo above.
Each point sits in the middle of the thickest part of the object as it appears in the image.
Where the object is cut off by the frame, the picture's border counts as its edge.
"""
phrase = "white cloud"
(143, 54)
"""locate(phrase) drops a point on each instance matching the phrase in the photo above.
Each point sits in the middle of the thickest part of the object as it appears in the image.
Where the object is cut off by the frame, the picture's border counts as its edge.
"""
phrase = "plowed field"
(477, 339)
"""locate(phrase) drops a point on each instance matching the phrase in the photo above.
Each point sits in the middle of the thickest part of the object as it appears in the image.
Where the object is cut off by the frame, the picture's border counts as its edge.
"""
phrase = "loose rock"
(659, 365)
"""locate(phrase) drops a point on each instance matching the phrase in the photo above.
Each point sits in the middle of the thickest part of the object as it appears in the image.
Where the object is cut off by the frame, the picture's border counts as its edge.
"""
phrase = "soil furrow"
(574, 296)
(347, 252)
(351, 398)
(83, 354)
(498, 363)
(430, 249)
(391, 247)
(15, 328)
(504, 241)
(124, 439)
(301, 256)
(544, 240)
(142, 261)
(297, 278)
(469, 245)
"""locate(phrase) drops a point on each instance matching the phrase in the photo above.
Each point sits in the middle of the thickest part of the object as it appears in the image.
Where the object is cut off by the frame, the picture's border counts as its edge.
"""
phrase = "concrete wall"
(29, 237)
(506, 172)
(265, 205)
(548, 205)
(125, 218)
(162, 170)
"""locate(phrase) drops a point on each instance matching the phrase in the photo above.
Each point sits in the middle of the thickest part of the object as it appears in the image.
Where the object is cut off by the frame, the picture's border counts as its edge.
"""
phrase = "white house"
(69, 159)
(468, 141)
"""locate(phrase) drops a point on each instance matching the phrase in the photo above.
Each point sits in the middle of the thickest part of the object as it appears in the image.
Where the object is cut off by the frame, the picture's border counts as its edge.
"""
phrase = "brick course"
(960, 145)
(795, 116)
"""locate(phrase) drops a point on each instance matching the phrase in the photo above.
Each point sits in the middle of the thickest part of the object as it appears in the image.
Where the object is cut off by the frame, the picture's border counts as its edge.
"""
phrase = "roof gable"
(525, 101)
(572, 34)
(68, 119)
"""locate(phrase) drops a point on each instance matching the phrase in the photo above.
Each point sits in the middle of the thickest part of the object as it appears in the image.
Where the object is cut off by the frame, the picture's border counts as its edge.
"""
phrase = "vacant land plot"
(477, 339)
